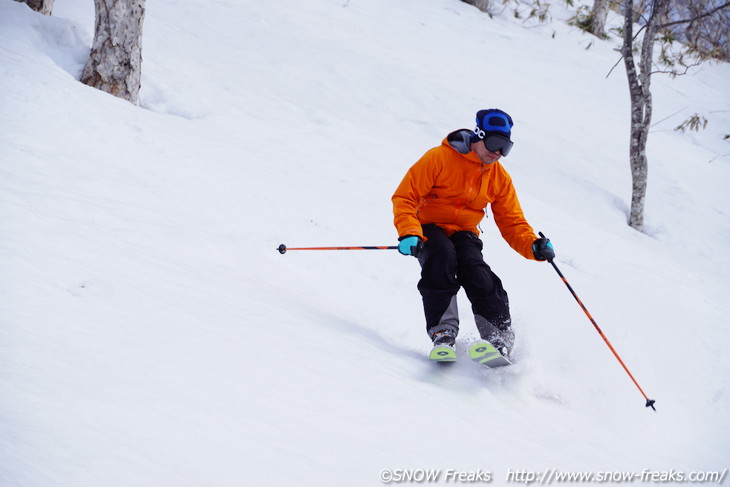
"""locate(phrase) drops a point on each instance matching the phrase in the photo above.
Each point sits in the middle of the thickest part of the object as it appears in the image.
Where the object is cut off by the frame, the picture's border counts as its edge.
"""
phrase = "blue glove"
(410, 245)
(543, 249)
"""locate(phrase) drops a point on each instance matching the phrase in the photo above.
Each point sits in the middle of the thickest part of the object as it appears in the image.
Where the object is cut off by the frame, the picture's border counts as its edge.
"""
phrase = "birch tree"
(653, 15)
(482, 5)
(599, 13)
(641, 101)
(43, 6)
(115, 61)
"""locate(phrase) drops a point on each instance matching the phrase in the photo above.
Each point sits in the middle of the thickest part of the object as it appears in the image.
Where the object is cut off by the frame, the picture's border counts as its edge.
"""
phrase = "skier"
(437, 208)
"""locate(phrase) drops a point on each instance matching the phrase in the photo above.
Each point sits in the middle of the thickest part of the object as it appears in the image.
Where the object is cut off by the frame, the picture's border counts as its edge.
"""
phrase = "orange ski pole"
(283, 248)
(649, 402)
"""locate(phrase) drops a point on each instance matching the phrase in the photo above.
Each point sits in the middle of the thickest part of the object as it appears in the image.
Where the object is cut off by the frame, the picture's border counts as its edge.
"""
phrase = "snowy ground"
(151, 335)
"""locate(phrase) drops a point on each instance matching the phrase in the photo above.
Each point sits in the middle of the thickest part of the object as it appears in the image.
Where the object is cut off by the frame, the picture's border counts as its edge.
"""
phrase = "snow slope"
(150, 334)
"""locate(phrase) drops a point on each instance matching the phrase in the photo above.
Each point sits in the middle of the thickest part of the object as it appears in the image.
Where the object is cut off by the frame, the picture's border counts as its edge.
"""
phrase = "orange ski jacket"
(452, 190)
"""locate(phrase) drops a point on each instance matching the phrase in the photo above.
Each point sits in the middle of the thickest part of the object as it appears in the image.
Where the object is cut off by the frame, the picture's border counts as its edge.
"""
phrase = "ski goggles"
(500, 143)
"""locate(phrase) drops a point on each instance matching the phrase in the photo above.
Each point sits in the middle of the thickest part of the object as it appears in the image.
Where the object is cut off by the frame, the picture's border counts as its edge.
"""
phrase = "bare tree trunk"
(641, 103)
(638, 192)
(115, 61)
(43, 6)
(598, 18)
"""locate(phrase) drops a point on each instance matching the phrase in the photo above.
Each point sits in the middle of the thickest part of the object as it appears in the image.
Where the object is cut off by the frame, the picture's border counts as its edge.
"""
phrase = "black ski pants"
(449, 263)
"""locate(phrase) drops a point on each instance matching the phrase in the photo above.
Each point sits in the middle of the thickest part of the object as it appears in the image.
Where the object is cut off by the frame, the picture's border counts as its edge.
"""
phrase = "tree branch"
(706, 14)
(614, 66)
(622, 55)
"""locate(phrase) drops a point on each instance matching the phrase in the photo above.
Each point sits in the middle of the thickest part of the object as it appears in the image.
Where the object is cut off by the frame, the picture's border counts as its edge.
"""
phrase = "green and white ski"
(442, 353)
(483, 352)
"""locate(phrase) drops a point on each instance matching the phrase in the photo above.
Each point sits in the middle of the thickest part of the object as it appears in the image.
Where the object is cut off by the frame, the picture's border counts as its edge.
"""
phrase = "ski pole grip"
(542, 235)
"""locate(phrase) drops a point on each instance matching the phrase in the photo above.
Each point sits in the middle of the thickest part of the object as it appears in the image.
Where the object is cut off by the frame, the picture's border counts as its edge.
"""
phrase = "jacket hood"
(460, 141)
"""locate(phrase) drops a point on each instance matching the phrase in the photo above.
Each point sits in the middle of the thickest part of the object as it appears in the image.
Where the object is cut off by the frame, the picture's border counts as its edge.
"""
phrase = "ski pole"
(283, 248)
(649, 402)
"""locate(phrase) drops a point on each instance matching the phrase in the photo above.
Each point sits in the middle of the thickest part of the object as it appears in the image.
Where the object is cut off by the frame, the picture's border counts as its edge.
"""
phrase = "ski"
(483, 352)
(442, 353)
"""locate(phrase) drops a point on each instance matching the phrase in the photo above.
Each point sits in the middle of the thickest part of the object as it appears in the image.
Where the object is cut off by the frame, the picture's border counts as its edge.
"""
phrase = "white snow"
(151, 335)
